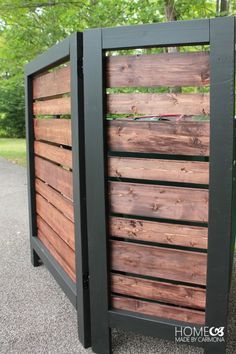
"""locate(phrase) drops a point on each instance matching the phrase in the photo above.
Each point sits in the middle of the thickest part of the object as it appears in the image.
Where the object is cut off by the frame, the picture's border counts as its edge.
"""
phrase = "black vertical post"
(96, 189)
(79, 192)
(222, 55)
(30, 165)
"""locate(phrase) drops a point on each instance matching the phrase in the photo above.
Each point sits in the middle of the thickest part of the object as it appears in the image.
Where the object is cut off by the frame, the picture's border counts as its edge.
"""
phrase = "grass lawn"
(13, 150)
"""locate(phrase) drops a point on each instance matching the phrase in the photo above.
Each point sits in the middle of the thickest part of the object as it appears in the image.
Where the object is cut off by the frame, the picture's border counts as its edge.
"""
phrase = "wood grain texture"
(159, 232)
(56, 220)
(53, 130)
(182, 295)
(158, 310)
(53, 153)
(60, 246)
(167, 69)
(64, 205)
(159, 262)
(158, 104)
(52, 83)
(57, 177)
(56, 255)
(178, 138)
(157, 201)
(159, 169)
(54, 106)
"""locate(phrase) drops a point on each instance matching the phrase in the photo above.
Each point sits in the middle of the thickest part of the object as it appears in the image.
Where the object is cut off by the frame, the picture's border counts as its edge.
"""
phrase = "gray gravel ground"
(35, 315)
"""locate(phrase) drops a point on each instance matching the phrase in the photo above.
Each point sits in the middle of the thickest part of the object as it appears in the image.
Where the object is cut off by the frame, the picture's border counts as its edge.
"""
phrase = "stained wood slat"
(187, 296)
(60, 246)
(157, 201)
(178, 138)
(55, 255)
(54, 106)
(159, 262)
(53, 153)
(158, 104)
(55, 176)
(159, 169)
(167, 69)
(158, 310)
(54, 130)
(65, 206)
(52, 83)
(159, 232)
(56, 220)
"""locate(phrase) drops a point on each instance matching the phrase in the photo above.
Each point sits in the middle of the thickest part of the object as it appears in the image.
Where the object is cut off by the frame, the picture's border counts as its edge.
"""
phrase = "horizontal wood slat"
(159, 262)
(65, 206)
(53, 153)
(159, 169)
(167, 69)
(56, 220)
(182, 295)
(158, 104)
(51, 107)
(179, 138)
(55, 176)
(177, 203)
(159, 232)
(158, 310)
(56, 255)
(60, 246)
(52, 83)
(54, 130)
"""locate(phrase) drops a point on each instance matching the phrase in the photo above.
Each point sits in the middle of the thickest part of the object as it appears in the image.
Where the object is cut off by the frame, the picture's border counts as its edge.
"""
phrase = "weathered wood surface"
(159, 169)
(159, 262)
(159, 232)
(181, 295)
(55, 176)
(158, 104)
(54, 106)
(158, 310)
(157, 201)
(52, 83)
(53, 153)
(56, 220)
(54, 130)
(179, 138)
(167, 69)
(64, 205)
(56, 255)
(60, 246)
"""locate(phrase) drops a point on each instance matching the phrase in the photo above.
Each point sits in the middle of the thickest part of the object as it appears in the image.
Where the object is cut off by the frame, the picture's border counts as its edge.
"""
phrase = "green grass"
(13, 150)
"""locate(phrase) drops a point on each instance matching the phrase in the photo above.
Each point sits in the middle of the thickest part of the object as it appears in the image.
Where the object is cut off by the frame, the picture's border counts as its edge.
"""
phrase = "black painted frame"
(220, 34)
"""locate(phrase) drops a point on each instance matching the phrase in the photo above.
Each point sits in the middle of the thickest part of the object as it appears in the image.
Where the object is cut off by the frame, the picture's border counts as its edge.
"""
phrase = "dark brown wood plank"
(159, 262)
(56, 220)
(52, 83)
(54, 130)
(64, 205)
(159, 232)
(157, 201)
(54, 106)
(158, 310)
(57, 256)
(57, 177)
(53, 153)
(159, 169)
(158, 104)
(167, 69)
(60, 246)
(182, 295)
(178, 138)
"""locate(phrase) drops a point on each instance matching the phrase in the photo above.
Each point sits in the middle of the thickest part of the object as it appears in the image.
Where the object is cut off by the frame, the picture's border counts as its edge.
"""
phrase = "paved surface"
(35, 315)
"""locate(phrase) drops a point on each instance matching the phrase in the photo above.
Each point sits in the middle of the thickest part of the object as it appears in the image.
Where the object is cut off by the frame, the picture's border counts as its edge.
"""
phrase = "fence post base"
(35, 260)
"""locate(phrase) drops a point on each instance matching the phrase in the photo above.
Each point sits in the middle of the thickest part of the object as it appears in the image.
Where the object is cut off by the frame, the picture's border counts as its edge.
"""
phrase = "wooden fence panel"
(53, 153)
(53, 130)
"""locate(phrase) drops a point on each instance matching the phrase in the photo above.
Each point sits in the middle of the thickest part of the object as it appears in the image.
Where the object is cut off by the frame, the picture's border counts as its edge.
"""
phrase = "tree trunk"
(222, 7)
